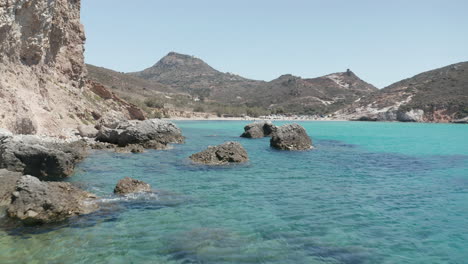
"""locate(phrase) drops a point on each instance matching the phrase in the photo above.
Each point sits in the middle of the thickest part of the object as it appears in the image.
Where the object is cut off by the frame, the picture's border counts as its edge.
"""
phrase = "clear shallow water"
(368, 193)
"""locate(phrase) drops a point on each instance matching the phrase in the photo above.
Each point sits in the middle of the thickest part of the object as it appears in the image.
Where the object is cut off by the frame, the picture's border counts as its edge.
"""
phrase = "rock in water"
(40, 158)
(151, 133)
(128, 185)
(229, 152)
(36, 202)
(291, 137)
(8, 181)
(259, 129)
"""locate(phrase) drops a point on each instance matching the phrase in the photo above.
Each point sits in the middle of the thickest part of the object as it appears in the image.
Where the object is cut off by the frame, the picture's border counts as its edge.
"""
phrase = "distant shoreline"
(247, 119)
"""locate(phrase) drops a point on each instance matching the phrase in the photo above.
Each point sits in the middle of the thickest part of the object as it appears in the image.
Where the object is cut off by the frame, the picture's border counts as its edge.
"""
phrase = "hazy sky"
(381, 41)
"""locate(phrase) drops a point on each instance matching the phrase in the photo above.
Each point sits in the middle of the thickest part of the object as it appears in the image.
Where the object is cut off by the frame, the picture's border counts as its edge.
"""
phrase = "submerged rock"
(291, 137)
(152, 133)
(8, 181)
(47, 160)
(36, 202)
(229, 152)
(128, 185)
(259, 129)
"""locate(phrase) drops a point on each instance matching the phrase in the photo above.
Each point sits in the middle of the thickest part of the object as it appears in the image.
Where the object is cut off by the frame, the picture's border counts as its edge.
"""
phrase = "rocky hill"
(43, 84)
(185, 74)
(439, 95)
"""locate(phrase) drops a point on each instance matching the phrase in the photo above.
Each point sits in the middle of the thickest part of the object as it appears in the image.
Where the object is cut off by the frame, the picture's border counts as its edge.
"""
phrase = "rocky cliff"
(43, 85)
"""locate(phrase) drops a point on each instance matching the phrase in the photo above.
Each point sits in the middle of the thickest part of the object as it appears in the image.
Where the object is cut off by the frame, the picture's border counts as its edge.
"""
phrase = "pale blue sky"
(381, 41)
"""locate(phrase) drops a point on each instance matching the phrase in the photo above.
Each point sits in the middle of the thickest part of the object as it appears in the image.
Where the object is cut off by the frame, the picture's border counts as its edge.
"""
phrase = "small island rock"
(36, 202)
(291, 137)
(259, 129)
(229, 152)
(128, 185)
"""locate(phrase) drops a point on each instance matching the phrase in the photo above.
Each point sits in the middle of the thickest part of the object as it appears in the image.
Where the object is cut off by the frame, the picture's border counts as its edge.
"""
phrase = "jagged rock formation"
(229, 152)
(43, 85)
(291, 137)
(151, 133)
(36, 202)
(440, 95)
(259, 129)
(128, 185)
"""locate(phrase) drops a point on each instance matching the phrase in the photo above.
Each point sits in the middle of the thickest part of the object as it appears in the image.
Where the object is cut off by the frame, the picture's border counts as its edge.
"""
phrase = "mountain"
(43, 83)
(187, 74)
(439, 95)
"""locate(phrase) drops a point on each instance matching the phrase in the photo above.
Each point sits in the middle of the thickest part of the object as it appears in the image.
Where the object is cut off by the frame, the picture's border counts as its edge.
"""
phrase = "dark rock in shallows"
(36, 202)
(229, 152)
(43, 159)
(291, 137)
(8, 181)
(259, 129)
(128, 185)
(152, 133)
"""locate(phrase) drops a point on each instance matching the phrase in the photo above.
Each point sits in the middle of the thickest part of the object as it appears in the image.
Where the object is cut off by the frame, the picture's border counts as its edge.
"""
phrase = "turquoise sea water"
(367, 193)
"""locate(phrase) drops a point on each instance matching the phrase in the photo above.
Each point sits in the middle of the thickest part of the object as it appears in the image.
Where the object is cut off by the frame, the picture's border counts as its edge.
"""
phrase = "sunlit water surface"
(367, 193)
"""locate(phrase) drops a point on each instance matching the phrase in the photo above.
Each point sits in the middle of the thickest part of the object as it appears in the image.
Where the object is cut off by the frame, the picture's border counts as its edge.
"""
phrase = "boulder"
(8, 181)
(229, 152)
(291, 137)
(151, 133)
(259, 129)
(43, 159)
(36, 202)
(87, 131)
(128, 185)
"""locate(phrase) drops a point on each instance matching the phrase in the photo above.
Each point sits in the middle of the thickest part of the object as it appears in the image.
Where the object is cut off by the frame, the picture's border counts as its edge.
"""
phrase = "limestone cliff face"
(43, 86)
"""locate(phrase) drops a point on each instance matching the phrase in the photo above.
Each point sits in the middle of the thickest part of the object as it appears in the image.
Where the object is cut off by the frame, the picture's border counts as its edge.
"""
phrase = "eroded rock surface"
(8, 181)
(43, 84)
(259, 129)
(229, 152)
(36, 202)
(45, 159)
(151, 133)
(291, 137)
(128, 185)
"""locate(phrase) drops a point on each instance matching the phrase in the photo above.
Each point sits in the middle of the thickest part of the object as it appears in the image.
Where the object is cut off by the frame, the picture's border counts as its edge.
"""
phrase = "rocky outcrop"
(44, 158)
(229, 152)
(259, 129)
(87, 131)
(43, 84)
(414, 115)
(36, 202)
(461, 121)
(291, 137)
(8, 181)
(128, 185)
(152, 133)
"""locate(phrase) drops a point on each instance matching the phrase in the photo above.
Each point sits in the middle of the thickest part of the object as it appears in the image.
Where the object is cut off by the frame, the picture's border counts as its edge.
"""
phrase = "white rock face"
(43, 85)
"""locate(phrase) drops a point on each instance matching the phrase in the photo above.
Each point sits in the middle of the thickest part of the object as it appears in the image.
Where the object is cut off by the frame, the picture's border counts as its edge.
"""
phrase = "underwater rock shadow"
(111, 209)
